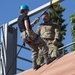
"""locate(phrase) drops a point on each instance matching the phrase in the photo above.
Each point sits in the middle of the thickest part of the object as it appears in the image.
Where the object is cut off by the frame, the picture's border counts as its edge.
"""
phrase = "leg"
(34, 50)
(40, 60)
(40, 44)
(43, 50)
(52, 52)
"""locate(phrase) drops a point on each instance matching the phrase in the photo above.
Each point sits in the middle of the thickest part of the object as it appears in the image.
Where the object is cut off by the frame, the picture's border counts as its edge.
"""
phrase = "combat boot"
(40, 61)
(51, 59)
(46, 58)
(35, 66)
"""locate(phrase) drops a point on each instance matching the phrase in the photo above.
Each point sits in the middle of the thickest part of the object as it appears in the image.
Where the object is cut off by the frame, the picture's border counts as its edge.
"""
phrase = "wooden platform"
(63, 66)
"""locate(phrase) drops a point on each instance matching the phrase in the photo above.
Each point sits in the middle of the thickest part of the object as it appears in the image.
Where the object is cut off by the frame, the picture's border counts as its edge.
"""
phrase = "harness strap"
(36, 38)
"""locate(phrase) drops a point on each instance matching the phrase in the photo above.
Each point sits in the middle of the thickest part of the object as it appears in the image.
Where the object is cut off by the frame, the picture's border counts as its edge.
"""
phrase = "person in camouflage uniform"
(30, 37)
(49, 32)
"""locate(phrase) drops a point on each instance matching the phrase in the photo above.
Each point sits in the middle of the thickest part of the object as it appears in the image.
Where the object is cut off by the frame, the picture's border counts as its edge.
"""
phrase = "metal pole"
(24, 59)
(24, 47)
(66, 45)
(35, 11)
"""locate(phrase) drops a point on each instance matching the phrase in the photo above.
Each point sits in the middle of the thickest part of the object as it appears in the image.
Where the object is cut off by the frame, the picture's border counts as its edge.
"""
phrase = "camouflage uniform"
(49, 31)
(35, 43)
(31, 38)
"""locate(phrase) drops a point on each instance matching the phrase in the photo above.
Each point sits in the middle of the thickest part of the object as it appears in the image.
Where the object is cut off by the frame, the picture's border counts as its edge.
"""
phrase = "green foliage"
(56, 15)
(72, 20)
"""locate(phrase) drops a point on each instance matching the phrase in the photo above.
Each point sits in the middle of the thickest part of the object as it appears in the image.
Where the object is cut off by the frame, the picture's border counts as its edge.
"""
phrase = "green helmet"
(24, 7)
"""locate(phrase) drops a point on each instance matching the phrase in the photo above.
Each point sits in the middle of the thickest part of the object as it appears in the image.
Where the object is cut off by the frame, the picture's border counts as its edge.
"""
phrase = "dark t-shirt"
(21, 19)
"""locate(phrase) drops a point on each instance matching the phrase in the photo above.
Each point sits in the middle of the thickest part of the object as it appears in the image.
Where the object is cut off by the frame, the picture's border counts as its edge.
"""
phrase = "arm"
(38, 30)
(35, 21)
(26, 23)
(27, 27)
(57, 34)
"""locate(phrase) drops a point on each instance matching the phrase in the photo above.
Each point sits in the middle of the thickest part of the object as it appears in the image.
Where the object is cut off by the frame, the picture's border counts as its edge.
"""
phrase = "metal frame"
(3, 54)
(35, 11)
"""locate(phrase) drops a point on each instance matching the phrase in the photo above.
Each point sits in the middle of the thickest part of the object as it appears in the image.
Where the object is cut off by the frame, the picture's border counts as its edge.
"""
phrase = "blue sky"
(9, 10)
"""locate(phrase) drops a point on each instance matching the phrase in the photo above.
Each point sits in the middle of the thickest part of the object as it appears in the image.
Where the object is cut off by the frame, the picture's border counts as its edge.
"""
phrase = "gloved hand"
(36, 20)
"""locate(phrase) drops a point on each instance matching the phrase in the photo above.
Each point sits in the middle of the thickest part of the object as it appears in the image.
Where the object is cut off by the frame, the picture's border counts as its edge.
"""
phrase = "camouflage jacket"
(48, 30)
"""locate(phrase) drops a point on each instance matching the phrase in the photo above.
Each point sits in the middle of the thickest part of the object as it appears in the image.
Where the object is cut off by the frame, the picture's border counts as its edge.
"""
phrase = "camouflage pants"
(35, 42)
(52, 48)
(52, 51)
